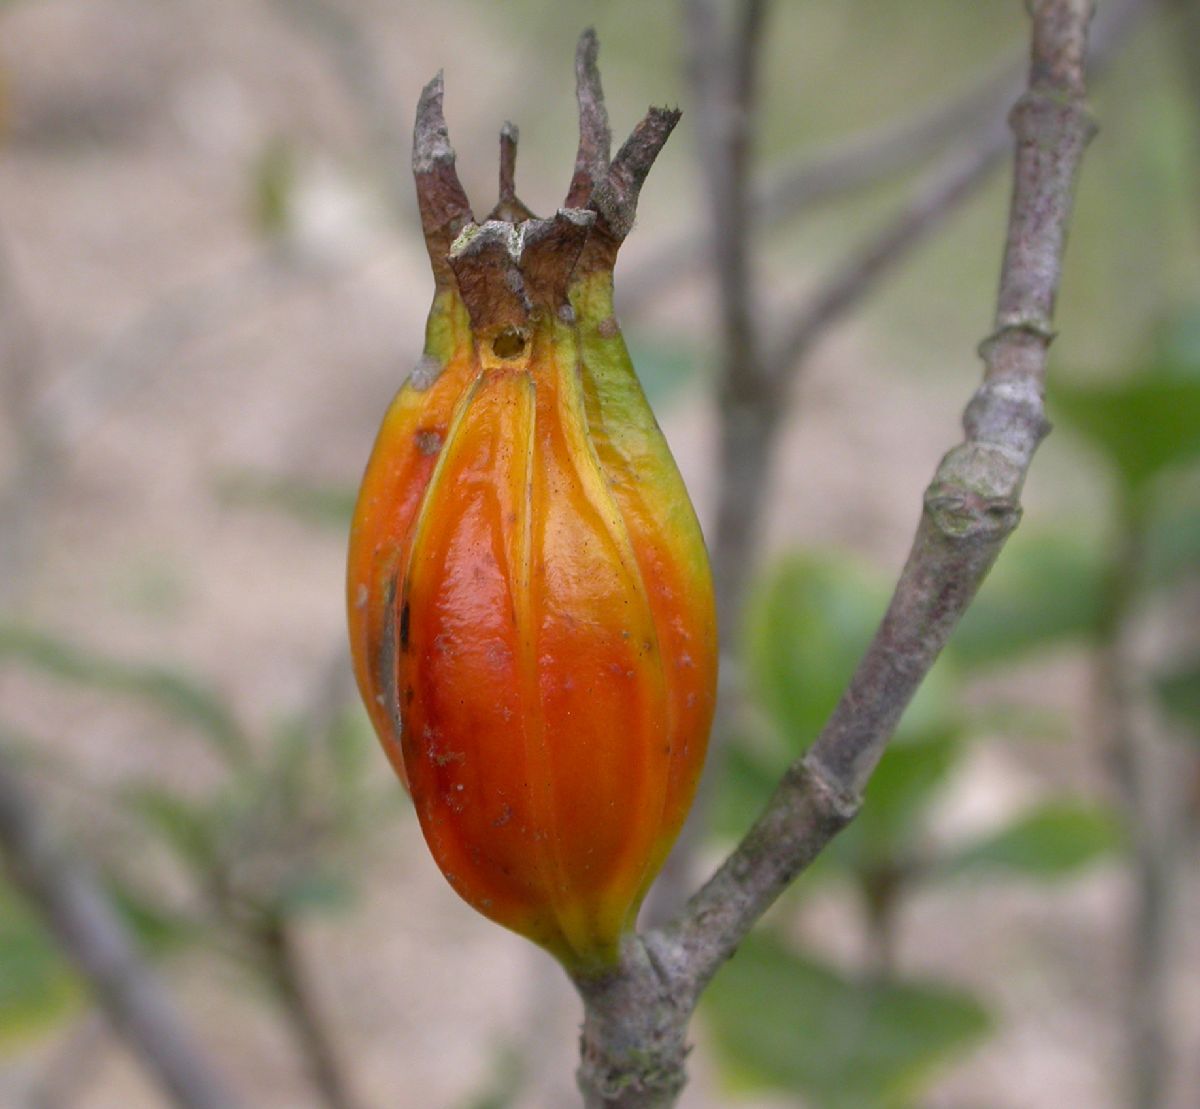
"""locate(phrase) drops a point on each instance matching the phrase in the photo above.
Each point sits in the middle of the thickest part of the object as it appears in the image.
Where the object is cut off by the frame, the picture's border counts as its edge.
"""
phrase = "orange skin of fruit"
(397, 474)
(532, 622)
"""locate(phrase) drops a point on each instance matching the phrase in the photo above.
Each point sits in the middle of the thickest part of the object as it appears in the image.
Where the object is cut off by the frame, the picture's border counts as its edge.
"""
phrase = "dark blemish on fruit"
(429, 441)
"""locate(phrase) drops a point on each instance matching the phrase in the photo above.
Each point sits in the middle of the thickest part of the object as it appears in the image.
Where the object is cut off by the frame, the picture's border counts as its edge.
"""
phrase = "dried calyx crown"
(513, 266)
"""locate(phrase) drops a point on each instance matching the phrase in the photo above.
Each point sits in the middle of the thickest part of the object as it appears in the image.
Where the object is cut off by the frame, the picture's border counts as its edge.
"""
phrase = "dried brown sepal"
(614, 200)
(550, 257)
(442, 201)
(514, 263)
(595, 137)
(509, 207)
(486, 260)
(508, 273)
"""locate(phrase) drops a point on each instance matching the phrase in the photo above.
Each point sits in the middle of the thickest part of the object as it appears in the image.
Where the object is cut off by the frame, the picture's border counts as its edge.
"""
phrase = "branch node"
(1044, 114)
(838, 804)
(973, 498)
(1008, 412)
(1015, 325)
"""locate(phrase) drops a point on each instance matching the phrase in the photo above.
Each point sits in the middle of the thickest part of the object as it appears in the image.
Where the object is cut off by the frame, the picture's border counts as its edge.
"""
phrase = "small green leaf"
(1045, 588)
(782, 1020)
(157, 928)
(1179, 692)
(1144, 423)
(186, 827)
(169, 691)
(808, 623)
(1050, 841)
(747, 779)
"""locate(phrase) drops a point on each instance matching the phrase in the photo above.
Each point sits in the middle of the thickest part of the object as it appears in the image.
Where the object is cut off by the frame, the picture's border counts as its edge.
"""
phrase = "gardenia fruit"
(531, 609)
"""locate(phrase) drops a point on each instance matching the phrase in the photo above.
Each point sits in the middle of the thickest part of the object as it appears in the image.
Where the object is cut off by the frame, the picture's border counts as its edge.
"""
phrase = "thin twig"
(858, 162)
(933, 201)
(97, 942)
(753, 390)
(760, 402)
(1152, 813)
(941, 192)
(970, 509)
(285, 965)
(723, 78)
(633, 1044)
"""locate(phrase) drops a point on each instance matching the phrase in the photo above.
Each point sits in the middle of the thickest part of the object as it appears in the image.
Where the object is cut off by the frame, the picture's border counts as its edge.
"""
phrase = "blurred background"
(211, 283)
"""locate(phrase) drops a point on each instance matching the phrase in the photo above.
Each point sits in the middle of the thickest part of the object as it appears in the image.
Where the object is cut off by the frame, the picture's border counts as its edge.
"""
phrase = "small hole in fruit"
(508, 344)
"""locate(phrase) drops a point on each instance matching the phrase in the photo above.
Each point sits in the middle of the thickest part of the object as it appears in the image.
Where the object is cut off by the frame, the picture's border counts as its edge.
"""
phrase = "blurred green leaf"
(747, 780)
(887, 826)
(1177, 342)
(273, 185)
(1144, 423)
(326, 506)
(1179, 691)
(1045, 588)
(1049, 841)
(896, 797)
(186, 827)
(809, 620)
(289, 774)
(170, 691)
(350, 744)
(37, 987)
(313, 890)
(157, 928)
(1173, 536)
(782, 1020)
